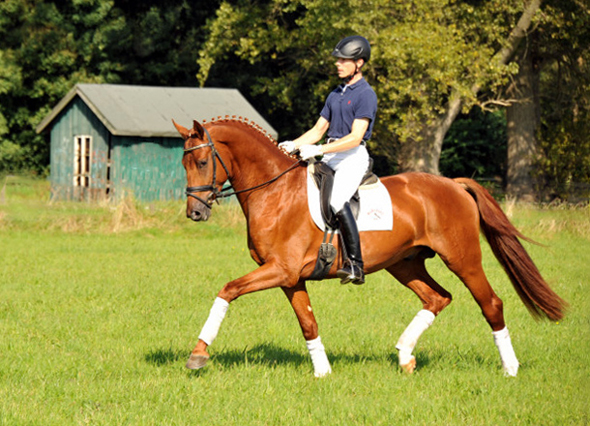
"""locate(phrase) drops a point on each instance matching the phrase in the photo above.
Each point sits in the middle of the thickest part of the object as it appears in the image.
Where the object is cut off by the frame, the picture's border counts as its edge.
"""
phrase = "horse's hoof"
(510, 371)
(409, 367)
(323, 373)
(196, 361)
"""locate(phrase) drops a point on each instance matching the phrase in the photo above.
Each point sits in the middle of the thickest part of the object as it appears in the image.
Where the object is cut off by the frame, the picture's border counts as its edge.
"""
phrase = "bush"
(11, 157)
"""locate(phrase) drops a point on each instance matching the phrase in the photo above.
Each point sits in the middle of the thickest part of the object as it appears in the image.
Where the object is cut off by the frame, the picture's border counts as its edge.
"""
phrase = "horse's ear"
(198, 130)
(182, 130)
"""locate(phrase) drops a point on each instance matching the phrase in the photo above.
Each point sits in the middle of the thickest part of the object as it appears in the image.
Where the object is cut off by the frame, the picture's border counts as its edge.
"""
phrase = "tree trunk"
(522, 118)
(423, 154)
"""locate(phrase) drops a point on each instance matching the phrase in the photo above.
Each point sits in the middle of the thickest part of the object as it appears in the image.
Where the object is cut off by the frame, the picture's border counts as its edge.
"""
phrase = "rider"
(348, 117)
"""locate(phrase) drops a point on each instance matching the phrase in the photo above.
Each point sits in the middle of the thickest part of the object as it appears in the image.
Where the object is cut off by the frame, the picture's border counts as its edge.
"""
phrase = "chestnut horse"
(432, 215)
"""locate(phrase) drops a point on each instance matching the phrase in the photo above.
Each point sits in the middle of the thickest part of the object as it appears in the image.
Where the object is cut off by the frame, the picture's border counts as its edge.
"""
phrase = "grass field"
(101, 305)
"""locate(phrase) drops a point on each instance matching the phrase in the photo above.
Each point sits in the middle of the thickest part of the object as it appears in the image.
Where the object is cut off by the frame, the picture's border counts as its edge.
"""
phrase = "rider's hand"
(288, 146)
(310, 151)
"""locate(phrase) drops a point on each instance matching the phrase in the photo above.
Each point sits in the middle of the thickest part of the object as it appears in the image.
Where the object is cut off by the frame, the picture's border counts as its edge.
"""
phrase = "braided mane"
(250, 124)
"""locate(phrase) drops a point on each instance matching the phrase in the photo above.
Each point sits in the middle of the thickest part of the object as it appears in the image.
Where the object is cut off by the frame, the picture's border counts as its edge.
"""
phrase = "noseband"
(214, 192)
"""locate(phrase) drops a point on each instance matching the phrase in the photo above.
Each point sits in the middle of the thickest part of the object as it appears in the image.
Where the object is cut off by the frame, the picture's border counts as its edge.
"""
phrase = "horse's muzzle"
(199, 212)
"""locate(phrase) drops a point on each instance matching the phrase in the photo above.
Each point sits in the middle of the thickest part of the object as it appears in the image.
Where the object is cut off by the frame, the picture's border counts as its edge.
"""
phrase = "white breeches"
(350, 167)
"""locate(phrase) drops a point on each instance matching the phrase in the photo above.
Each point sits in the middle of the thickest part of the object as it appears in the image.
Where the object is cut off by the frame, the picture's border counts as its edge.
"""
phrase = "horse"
(433, 215)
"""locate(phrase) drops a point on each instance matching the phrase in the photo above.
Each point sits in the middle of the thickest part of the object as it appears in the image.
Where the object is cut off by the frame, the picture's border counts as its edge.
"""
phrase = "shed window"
(82, 150)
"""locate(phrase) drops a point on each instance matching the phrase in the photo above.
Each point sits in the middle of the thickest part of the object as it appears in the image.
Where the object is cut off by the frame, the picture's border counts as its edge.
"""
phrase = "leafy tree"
(427, 55)
(275, 53)
(432, 60)
(46, 47)
(562, 60)
(442, 65)
(550, 104)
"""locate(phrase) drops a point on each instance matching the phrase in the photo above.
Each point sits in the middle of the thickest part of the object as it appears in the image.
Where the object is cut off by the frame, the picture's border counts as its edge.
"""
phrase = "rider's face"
(347, 67)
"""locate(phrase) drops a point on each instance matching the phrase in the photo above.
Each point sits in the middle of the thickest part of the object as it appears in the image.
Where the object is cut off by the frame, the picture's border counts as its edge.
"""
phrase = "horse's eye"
(202, 163)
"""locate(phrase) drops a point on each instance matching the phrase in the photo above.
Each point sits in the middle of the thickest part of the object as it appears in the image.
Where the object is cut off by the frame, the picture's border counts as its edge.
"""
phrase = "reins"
(215, 193)
(262, 184)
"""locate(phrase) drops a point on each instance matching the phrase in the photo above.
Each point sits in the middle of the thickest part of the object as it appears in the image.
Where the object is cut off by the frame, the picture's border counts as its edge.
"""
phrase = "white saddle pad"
(375, 212)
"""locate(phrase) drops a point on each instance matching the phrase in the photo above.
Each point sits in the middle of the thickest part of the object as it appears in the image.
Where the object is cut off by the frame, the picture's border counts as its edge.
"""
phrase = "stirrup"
(351, 273)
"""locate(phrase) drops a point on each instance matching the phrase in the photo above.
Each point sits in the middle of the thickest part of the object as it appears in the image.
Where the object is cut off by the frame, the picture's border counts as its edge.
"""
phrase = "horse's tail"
(503, 238)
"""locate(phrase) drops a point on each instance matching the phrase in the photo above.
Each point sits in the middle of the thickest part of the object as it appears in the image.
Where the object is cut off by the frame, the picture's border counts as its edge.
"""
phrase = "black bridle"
(215, 193)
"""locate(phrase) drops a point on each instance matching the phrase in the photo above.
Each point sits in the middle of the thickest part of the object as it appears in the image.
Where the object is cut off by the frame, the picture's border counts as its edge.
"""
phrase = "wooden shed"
(111, 140)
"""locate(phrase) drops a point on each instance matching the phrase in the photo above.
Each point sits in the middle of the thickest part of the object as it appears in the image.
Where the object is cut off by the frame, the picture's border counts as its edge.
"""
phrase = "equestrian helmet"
(353, 47)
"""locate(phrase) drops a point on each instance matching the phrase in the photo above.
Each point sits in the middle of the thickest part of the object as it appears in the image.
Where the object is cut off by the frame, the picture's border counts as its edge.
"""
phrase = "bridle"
(215, 193)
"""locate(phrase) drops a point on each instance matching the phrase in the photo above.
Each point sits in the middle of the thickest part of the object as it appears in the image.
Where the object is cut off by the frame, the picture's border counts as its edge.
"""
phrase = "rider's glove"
(310, 151)
(288, 146)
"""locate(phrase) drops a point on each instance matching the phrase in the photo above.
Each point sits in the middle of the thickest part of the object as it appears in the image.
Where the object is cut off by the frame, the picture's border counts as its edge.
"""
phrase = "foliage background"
(277, 54)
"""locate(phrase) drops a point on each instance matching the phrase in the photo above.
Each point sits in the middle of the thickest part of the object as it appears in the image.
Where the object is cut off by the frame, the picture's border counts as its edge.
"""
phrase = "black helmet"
(353, 47)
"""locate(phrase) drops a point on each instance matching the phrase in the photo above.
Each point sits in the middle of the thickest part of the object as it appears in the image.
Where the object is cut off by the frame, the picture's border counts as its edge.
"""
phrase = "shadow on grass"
(436, 359)
(160, 357)
(269, 354)
(262, 354)
(266, 354)
(422, 359)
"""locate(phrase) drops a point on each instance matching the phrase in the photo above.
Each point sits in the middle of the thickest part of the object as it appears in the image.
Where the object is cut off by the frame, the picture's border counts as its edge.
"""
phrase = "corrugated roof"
(148, 111)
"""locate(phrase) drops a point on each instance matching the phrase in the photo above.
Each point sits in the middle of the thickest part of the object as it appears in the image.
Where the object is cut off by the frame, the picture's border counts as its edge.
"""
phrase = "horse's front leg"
(301, 304)
(267, 276)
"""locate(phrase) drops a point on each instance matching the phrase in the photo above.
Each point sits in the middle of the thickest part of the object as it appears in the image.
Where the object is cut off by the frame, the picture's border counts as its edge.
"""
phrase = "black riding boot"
(352, 269)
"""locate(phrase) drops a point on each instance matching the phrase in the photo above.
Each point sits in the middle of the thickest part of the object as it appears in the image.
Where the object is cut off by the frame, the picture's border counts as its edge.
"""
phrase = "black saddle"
(323, 176)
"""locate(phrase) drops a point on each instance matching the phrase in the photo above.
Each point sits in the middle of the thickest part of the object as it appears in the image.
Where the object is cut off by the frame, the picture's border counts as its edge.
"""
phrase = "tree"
(522, 117)
(562, 60)
(431, 60)
(49, 48)
(46, 47)
(423, 151)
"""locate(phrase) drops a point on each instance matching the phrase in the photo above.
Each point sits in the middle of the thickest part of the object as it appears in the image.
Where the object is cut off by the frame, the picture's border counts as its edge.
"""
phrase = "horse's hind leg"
(469, 269)
(413, 274)
(299, 299)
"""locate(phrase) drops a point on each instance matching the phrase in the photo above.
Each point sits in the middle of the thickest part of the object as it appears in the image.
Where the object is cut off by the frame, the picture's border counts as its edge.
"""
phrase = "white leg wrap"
(504, 345)
(412, 333)
(216, 315)
(321, 365)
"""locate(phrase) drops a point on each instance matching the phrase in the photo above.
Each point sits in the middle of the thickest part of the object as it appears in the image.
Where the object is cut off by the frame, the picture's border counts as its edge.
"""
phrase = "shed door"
(82, 162)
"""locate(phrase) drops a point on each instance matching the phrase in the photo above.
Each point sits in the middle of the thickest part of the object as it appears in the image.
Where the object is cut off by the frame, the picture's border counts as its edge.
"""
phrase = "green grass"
(100, 306)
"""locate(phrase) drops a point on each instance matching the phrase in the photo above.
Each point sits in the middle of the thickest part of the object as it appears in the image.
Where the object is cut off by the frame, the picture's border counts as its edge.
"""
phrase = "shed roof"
(147, 111)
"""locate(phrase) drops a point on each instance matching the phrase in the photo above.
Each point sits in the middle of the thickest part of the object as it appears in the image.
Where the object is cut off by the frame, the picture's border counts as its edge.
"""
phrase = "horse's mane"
(249, 124)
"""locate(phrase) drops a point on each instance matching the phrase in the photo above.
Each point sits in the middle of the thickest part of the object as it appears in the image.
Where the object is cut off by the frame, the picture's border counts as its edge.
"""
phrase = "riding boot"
(352, 269)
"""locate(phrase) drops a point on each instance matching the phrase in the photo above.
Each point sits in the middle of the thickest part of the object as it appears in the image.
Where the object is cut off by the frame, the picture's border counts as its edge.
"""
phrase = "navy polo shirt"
(347, 103)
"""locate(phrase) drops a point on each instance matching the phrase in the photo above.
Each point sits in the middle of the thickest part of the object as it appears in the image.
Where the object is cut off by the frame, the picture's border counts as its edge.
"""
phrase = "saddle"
(323, 176)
